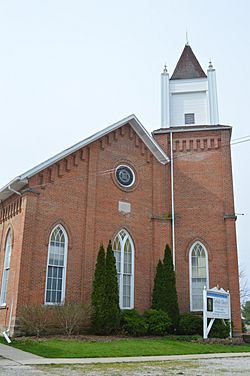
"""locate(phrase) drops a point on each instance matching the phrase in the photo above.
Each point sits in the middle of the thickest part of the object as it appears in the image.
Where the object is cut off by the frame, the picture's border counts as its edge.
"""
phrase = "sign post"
(216, 305)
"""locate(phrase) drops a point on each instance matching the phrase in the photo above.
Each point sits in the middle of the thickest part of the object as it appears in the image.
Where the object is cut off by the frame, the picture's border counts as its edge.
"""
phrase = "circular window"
(125, 176)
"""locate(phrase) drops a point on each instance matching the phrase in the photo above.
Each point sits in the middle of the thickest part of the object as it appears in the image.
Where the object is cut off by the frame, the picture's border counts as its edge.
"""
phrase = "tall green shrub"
(112, 309)
(158, 291)
(98, 298)
(165, 293)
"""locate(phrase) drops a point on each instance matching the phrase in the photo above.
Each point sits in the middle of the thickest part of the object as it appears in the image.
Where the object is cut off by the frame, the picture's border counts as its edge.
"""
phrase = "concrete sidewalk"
(18, 356)
(24, 358)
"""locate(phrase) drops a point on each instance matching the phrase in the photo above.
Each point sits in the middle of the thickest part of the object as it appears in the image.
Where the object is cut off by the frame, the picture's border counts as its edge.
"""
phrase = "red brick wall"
(13, 221)
(203, 196)
(83, 196)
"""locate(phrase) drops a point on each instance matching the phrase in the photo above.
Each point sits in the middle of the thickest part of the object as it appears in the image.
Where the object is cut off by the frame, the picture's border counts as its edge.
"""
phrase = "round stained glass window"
(125, 176)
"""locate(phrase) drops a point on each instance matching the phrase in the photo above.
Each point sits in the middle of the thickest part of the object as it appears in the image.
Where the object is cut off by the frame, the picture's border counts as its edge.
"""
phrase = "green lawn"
(62, 348)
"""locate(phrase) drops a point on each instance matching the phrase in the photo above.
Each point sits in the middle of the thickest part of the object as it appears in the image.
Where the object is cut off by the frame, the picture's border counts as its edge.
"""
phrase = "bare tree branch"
(244, 286)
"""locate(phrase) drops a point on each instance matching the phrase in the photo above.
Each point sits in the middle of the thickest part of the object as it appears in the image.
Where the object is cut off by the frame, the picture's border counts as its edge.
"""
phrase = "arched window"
(198, 267)
(56, 268)
(6, 268)
(124, 253)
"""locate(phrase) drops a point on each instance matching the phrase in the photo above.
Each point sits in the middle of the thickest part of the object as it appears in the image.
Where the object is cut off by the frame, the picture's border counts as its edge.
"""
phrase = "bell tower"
(189, 96)
(199, 185)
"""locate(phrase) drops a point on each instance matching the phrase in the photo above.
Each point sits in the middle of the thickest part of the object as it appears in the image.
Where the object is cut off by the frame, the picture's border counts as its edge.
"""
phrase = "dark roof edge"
(192, 129)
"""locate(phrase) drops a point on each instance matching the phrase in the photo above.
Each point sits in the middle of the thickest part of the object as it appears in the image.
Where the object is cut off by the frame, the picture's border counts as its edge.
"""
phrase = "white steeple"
(189, 97)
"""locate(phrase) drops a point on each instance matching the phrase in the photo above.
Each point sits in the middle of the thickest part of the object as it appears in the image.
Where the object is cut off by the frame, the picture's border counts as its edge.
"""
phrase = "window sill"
(54, 304)
(198, 311)
(3, 306)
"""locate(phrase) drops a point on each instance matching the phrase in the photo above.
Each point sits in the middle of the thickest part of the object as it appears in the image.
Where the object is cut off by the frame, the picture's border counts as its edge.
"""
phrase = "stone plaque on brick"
(124, 207)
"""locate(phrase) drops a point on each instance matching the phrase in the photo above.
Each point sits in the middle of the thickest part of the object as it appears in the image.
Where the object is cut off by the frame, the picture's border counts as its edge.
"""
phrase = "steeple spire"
(187, 42)
(188, 66)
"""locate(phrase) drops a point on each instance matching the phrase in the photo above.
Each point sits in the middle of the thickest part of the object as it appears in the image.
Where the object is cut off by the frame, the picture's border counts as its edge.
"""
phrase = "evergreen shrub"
(190, 324)
(158, 291)
(164, 292)
(157, 322)
(219, 329)
(111, 309)
(98, 297)
(105, 294)
(133, 323)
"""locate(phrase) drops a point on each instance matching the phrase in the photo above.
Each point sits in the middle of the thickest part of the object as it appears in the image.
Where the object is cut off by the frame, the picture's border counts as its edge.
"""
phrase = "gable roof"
(21, 181)
(188, 66)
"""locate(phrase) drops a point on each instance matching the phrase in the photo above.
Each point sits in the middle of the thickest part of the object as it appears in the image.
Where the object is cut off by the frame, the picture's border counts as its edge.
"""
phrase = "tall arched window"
(123, 247)
(56, 268)
(6, 268)
(198, 267)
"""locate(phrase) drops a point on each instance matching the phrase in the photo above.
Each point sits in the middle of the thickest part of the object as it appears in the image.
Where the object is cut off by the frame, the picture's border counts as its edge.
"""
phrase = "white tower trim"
(165, 113)
(212, 96)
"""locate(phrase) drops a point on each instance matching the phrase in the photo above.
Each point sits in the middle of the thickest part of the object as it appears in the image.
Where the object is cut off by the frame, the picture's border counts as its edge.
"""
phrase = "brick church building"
(138, 189)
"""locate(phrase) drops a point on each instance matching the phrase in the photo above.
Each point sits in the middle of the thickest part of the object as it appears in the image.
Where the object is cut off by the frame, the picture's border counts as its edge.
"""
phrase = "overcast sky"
(69, 68)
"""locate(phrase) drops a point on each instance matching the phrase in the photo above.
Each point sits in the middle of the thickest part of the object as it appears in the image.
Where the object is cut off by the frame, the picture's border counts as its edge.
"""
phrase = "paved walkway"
(11, 355)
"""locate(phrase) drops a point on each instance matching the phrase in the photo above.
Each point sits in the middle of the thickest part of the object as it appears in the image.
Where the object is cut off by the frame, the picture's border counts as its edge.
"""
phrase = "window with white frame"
(6, 268)
(123, 247)
(198, 266)
(56, 267)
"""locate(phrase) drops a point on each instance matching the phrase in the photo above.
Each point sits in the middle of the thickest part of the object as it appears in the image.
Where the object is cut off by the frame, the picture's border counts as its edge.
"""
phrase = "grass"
(66, 348)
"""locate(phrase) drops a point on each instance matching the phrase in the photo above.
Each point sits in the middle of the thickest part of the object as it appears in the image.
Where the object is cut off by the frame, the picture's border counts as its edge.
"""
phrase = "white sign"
(216, 305)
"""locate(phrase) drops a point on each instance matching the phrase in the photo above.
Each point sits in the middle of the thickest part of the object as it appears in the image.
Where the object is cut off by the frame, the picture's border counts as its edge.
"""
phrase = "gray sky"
(69, 68)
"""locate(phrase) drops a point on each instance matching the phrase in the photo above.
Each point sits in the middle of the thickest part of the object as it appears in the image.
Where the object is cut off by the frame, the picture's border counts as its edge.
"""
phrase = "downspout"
(14, 191)
(6, 332)
(17, 179)
(172, 195)
(165, 123)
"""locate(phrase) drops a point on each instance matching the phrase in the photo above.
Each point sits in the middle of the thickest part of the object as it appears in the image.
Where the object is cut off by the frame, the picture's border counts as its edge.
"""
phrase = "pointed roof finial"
(165, 70)
(187, 41)
(210, 66)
